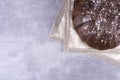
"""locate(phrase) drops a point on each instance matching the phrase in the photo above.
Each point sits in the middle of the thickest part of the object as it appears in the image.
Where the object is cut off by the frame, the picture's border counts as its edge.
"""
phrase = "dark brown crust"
(98, 22)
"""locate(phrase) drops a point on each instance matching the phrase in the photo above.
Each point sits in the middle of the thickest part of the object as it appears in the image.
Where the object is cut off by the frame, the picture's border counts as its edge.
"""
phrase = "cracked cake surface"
(97, 22)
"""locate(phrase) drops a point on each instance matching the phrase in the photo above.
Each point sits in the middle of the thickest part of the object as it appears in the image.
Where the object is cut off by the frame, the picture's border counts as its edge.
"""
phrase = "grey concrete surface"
(26, 52)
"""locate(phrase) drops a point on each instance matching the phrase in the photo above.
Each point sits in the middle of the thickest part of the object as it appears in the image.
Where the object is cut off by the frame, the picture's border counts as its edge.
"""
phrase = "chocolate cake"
(97, 22)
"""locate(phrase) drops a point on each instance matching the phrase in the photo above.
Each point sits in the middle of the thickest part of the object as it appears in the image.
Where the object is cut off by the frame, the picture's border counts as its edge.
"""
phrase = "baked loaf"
(97, 22)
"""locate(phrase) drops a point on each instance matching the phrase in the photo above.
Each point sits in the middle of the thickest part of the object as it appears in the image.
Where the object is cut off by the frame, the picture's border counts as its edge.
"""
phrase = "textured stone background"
(26, 52)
